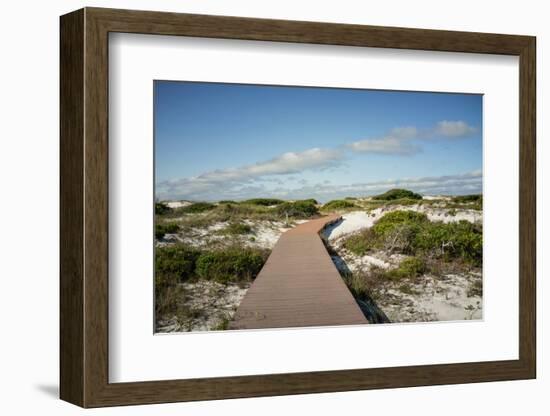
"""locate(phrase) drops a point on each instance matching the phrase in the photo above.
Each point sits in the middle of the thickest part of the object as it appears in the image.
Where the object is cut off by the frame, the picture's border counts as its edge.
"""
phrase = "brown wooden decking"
(298, 286)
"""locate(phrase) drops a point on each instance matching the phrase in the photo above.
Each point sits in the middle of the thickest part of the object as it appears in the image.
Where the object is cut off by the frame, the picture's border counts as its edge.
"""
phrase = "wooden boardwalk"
(298, 286)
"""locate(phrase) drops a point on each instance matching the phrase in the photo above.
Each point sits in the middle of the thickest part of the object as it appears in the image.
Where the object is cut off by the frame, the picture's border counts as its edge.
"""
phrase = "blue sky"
(231, 141)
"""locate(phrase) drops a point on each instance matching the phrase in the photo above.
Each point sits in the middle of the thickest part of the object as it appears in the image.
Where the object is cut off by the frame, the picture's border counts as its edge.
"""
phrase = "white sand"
(350, 223)
(435, 299)
(438, 214)
(436, 197)
(177, 204)
(210, 303)
(366, 262)
(266, 233)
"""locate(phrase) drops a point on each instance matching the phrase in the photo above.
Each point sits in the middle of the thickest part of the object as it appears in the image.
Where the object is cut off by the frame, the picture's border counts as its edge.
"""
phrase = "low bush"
(265, 202)
(453, 240)
(196, 208)
(411, 233)
(397, 230)
(310, 200)
(360, 243)
(408, 268)
(237, 210)
(467, 202)
(337, 204)
(226, 201)
(237, 228)
(297, 209)
(161, 208)
(178, 263)
(174, 264)
(461, 199)
(165, 228)
(231, 265)
(393, 194)
(404, 201)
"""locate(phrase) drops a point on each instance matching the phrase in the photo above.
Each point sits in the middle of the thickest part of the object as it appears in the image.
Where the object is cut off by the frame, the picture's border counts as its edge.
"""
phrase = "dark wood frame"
(84, 209)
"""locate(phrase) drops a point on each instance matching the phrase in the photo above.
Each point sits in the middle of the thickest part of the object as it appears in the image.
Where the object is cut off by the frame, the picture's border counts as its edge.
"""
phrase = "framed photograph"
(255, 207)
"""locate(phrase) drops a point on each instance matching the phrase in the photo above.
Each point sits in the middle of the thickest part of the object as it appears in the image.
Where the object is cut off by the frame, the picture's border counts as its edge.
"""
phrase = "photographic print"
(289, 206)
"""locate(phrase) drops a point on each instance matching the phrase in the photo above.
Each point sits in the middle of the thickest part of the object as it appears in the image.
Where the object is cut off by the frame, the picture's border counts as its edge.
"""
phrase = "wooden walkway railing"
(298, 286)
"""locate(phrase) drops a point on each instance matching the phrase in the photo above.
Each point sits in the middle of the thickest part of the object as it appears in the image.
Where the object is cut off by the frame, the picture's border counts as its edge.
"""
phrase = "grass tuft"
(338, 204)
(237, 228)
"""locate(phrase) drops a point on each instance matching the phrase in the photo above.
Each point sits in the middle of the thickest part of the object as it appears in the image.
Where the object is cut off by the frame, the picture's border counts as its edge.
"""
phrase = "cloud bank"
(465, 183)
(285, 164)
(259, 179)
(398, 140)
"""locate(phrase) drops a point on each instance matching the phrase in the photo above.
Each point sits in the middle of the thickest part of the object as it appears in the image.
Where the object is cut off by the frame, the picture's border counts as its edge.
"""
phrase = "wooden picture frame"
(84, 207)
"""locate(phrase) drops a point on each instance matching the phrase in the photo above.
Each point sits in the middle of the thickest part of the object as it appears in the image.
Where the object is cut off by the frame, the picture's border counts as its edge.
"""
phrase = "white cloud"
(398, 141)
(387, 145)
(287, 163)
(252, 180)
(470, 182)
(453, 129)
(409, 132)
(214, 182)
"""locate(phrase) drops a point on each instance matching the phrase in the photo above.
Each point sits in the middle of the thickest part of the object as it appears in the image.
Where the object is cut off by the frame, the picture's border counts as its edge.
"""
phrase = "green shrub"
(454, 240)
(396, 219)
(393, 194)
(310, 200)
(231, 265)
(404, 201)
(337, 204)
(409, 267)
(237, 228)
(467, 202)
(161, 208)
(265, 202)
(174, 264)
(461, 199)
(226, 201)
(409, 232)
(395, 231)
(197, 207)
(165, 228)
(297, 209)
(360, 243)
